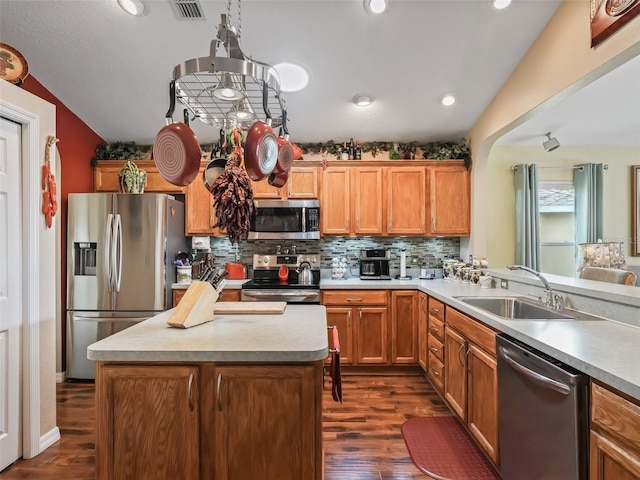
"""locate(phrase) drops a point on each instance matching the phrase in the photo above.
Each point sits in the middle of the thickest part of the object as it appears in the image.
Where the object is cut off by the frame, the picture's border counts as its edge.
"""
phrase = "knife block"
(196, 306)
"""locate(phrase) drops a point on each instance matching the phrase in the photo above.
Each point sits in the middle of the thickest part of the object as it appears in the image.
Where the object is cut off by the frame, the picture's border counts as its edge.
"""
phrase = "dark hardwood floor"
(362, 438)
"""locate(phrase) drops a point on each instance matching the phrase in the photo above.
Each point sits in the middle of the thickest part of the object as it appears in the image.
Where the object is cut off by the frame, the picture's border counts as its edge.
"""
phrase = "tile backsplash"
(419, 250)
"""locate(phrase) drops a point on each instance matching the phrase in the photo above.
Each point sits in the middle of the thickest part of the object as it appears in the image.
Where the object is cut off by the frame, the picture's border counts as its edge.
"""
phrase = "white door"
(10, 292)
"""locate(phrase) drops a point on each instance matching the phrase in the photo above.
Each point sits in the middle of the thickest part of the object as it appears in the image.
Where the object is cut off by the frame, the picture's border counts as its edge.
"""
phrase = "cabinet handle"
(189, 392)
(433, 222)
(434, 310)
(348, 222)
(218, 392)
(390, 222)
(466, 358)
(360, 312)
(358, 222)
(349, 319)
(433, 349)
(435, 373)
(354, 299)
(459, 351)
(434, 330)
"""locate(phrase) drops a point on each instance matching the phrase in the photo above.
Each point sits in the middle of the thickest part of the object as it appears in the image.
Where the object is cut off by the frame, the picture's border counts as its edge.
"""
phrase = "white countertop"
(604, 349)
(297, 335)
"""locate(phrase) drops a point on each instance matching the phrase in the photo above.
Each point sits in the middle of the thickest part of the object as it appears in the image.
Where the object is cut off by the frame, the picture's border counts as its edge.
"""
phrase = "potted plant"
(132, 179)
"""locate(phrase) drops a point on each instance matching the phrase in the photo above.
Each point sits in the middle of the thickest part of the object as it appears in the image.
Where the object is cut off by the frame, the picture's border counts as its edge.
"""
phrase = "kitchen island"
(238, 397)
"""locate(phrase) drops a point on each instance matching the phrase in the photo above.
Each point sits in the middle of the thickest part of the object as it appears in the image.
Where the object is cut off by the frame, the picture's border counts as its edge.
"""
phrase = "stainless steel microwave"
(286, 219)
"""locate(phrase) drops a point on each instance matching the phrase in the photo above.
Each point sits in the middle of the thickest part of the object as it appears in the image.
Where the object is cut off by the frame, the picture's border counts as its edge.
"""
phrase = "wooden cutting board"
(250, 307)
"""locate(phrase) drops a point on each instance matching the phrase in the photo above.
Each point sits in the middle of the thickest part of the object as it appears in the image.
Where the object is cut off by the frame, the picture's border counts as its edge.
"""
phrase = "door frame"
(31, 230)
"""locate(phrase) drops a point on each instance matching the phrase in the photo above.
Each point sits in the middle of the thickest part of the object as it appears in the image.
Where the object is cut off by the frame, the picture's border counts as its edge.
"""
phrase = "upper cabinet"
(105, 177)
(199, 212)
(415, 198)
(449, 200)
(302, 184)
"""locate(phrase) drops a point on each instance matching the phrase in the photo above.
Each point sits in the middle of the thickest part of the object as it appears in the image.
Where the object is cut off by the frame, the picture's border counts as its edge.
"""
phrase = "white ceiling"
(113, 69)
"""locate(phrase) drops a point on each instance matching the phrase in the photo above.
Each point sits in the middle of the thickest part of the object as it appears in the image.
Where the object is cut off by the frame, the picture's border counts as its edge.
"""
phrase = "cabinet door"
(482, 409)
(178, 293)
(303, 183)
(262, 190)
(404, 327)
(230, 295)
(336, 197)
(105, 177)
(147, 420)
(268, 422)
(609, 460)
(341, 318)
(366, 200)
(455, 377)
(372, 339)
(199, 212)
(449, 201)
(406, 200)
(422, 332)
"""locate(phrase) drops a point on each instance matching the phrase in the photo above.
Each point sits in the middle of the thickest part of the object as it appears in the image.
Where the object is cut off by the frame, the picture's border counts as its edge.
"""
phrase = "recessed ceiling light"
(292, 77)
(362, 100)
(448, 99)
(134, 7)
(376, 6)
(500, 4)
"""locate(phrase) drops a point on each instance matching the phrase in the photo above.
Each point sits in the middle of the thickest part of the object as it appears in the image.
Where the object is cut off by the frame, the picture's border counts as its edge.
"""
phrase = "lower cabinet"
(228, 295)
(471, 378)
(404, 326)
(208, 421)
(435, 343)
(147, 422)
(615, 436)
(362, 320)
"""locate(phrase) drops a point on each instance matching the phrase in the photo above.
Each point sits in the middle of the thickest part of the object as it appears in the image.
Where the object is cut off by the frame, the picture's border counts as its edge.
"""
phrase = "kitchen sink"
(515, 308)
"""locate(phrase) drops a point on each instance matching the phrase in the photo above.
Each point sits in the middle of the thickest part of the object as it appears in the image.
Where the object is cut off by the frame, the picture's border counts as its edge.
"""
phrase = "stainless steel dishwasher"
(542, 415)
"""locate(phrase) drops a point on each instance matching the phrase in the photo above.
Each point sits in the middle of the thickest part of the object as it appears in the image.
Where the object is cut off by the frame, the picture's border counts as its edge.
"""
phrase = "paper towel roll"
(403, 263)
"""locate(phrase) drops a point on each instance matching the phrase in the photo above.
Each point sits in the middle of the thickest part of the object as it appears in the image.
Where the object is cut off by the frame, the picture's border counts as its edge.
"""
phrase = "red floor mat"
(442, 449)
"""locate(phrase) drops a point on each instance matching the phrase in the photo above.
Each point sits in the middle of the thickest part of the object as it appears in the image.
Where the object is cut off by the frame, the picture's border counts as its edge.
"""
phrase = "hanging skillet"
(285, 149)
(216, 166)
(261, 145)
(176, 151)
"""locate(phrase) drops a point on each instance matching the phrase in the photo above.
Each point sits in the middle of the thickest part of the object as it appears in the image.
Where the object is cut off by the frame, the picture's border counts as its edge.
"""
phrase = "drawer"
(436, 308)
(436, 373)
(615, 414)
(355, 297)
(436, 348)
(473, 330)
(436, 328)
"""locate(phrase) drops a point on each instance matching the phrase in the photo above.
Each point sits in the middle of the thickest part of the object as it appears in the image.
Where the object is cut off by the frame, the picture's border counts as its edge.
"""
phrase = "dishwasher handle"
(535, 377)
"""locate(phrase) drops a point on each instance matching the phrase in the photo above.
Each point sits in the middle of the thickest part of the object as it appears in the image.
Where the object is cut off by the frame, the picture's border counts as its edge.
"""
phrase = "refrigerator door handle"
(81, 318)
(107, 251)
(118, 251)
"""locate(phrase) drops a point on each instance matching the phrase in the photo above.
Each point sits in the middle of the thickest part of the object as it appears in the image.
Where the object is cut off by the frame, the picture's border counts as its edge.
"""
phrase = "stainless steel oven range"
(291, 278)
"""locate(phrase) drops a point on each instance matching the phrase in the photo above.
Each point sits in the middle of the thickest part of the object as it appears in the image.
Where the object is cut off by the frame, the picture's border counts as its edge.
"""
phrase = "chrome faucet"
(551, 298)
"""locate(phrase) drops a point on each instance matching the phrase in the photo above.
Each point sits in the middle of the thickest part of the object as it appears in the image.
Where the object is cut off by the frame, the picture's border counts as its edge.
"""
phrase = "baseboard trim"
(49, 438)
(61, 377)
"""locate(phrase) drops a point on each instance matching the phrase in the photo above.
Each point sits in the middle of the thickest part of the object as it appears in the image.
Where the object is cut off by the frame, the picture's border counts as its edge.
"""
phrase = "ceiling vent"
(188, 9)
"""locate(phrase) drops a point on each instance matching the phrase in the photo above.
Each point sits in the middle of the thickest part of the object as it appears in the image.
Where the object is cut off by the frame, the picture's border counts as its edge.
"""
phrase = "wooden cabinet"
(404, 326)
(351, 201)
(406, 200)
(228, 295)
(471, 378)
(150, 429)
(267, 422)
(362, 320)
(422, 331)
(301, 184)
(199, 213)
(449, 200)
(615, 436)
(435, 343)
(105, 177)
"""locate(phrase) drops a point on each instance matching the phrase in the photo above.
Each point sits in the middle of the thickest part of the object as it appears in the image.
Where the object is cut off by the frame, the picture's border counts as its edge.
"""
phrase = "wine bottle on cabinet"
(357, 154)
(352, 149)
(345, 152)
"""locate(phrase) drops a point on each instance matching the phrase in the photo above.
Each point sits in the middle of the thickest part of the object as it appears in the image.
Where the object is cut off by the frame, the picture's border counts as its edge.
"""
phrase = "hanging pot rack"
(197, 78)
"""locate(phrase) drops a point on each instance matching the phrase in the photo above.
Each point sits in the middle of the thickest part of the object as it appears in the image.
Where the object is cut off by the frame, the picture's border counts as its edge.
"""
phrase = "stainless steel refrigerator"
(121, 249)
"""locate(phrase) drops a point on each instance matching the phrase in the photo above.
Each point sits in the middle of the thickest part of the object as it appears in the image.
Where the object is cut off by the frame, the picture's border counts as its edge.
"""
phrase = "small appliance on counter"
(292, 278)
(374, 264)
(403, 266)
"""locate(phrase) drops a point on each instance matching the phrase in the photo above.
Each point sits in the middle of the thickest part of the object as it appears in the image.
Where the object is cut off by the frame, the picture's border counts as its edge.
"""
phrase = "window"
(556, 205)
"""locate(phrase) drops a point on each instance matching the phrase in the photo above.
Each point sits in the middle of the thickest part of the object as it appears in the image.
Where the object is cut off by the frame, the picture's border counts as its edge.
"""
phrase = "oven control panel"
(277, 260)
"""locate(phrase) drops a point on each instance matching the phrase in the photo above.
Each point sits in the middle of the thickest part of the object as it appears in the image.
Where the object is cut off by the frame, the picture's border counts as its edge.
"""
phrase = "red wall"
(76, 148)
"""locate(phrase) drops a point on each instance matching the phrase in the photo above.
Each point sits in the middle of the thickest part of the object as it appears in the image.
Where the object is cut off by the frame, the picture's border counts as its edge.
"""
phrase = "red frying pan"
(285, 149)
(261, 146)
(176, 151)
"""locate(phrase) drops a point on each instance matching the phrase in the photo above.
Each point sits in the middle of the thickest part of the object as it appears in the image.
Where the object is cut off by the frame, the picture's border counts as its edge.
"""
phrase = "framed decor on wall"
(635, 210)
(608, 16)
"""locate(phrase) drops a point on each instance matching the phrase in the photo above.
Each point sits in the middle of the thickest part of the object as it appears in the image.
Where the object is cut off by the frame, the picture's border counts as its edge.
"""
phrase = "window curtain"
(527, 216)
(588, 183)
